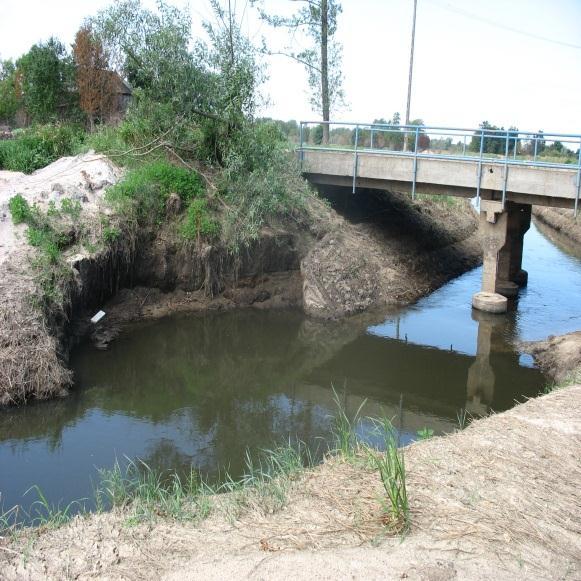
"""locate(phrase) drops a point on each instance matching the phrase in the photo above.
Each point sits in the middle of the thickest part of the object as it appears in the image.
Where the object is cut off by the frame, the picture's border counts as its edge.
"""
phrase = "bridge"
(505, 171)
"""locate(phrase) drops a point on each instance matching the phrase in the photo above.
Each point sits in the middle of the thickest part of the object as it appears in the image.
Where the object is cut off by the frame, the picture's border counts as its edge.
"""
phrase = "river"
(202, 390)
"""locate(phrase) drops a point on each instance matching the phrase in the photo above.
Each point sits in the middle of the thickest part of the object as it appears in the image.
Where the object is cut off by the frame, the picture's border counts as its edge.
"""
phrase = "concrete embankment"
(323, 263)
(498, 500)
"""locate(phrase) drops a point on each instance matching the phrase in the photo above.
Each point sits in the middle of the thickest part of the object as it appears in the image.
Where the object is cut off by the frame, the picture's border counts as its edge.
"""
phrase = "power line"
(497, 24)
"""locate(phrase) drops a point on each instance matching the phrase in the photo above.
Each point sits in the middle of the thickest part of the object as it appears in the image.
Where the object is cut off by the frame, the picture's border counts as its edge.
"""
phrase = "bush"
(199, 222)
(261, 180)
(38, 146)
(146, 189)
(19, 209)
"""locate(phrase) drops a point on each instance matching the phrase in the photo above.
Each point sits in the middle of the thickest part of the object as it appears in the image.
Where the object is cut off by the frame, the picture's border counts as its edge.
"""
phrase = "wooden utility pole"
(407, 111)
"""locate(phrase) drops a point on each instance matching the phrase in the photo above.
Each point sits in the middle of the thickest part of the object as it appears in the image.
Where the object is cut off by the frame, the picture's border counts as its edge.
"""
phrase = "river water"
(202, 390)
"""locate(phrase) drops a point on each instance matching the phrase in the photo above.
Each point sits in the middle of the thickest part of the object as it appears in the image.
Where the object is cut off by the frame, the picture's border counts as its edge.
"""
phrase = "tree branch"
(299, 60)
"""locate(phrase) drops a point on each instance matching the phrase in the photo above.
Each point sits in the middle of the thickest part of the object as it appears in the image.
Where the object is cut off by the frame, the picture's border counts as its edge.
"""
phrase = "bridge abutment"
(502, 233)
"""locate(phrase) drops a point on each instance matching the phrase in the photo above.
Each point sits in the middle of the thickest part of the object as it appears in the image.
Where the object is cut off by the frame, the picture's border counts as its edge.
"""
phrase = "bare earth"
(499, 500)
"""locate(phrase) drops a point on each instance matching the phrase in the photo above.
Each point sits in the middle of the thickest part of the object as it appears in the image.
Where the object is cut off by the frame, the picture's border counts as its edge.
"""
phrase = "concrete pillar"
(493, 232)
(510, 274)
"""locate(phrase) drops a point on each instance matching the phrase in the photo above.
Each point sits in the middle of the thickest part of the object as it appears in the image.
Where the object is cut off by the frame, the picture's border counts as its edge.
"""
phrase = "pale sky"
(471, 63)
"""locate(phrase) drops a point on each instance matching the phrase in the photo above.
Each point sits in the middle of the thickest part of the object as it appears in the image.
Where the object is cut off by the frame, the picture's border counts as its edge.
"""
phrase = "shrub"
(19, 209)
(147, 188)
(199, 222)
(38, 146)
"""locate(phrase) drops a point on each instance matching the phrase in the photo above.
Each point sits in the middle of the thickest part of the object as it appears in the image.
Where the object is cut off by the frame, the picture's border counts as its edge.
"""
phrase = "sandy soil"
(83, 178)
(30, 355)
(498, 500)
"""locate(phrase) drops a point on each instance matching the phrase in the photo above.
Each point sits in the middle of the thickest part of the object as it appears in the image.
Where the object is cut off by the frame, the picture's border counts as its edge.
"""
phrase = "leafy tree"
(95, 82)
(46, 77)
(151, 50)
(322, 60)
(8, 92)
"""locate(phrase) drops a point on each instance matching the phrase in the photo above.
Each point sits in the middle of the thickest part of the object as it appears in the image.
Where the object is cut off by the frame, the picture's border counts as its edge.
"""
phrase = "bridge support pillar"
(502, 233)
(493, 231)
(510, 272)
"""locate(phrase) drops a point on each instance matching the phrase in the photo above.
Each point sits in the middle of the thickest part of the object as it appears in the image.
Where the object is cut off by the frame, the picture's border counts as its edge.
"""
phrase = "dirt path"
(499, 500)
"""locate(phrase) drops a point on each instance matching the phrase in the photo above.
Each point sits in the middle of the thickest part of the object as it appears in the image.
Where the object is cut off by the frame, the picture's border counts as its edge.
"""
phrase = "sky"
(514, 62)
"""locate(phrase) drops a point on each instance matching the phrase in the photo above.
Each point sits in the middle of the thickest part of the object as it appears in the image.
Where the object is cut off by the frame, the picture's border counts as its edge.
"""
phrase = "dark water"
(201, 390)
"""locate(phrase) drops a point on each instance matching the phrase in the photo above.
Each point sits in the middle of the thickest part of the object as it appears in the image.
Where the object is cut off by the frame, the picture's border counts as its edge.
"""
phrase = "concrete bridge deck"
(524, 184)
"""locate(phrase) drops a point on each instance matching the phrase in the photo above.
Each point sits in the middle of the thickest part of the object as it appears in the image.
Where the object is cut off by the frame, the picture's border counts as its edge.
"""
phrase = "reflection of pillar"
(510, 274)
(481, 378)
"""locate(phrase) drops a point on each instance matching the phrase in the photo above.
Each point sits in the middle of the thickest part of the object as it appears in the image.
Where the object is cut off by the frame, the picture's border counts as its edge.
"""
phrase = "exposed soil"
(561, 220)
(498, 500)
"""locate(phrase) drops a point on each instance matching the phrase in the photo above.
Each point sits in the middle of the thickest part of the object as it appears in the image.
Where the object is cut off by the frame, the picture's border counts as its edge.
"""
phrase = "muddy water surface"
(201, 390)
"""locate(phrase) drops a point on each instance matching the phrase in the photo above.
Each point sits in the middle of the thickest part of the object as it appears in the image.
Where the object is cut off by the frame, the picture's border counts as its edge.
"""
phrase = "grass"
(150, 493)
(38, 146)
(344, 428)
(388, 461)
(390, 464)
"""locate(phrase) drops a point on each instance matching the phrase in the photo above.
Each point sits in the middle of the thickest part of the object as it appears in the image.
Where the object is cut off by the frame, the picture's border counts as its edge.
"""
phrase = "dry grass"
(29, 361)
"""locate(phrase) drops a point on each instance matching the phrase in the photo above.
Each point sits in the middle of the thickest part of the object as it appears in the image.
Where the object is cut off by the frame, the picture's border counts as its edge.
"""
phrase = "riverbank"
(317, 260)
(561, 220)
(496, 500)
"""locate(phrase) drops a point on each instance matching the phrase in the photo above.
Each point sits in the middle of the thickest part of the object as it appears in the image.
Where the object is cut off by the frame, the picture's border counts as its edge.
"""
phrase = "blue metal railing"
(508, 147)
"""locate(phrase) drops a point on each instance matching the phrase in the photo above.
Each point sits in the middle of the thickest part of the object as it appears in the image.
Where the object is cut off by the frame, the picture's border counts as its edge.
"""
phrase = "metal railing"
(505, 147)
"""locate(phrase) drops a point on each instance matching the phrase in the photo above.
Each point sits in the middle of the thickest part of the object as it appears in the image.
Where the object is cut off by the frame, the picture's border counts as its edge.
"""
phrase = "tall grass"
(388, 460)
(390, 464)
(344, 428)
(150, 493)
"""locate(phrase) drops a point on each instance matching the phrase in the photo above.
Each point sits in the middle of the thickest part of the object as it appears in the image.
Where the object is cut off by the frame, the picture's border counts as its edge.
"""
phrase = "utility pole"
(407, 111)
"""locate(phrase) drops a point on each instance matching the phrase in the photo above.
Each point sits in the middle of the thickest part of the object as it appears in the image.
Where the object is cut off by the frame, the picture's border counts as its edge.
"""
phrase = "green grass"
(150, 493)
(199, 222)
(141, 198)
(425, 433)
(390, 464)
(344, 428)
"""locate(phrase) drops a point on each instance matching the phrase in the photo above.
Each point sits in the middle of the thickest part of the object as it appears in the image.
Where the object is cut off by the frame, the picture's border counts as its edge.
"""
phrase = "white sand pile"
(83, 178)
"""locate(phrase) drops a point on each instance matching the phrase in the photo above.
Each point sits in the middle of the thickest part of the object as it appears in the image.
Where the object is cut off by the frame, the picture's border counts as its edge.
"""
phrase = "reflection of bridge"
(506, 184)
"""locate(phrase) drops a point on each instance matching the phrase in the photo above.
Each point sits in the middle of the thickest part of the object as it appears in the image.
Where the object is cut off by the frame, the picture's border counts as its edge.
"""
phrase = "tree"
(322, 60)
(46, 76)
(95, 82)
(8, 91)
(151, 49)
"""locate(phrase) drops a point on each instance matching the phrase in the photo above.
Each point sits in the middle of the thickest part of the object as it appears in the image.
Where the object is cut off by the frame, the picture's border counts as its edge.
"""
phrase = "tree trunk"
(325, 69)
